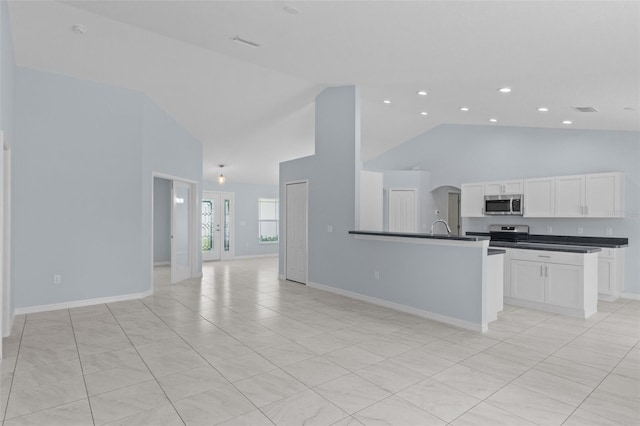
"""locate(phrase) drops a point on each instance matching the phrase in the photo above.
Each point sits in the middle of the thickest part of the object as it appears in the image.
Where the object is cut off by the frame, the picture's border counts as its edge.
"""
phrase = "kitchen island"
(441, 277)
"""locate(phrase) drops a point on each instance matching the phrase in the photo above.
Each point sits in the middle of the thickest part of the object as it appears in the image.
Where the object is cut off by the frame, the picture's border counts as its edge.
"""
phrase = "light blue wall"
(426, 277)
(161, 220)
(246, 215)
(84, 153)
(455, 154)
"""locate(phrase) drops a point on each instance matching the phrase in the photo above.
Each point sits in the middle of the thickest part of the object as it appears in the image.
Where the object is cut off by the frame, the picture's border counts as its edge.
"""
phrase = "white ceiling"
(253, 108)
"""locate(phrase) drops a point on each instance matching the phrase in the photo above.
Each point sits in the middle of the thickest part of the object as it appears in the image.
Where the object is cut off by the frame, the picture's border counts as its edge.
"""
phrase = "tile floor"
(240, 347)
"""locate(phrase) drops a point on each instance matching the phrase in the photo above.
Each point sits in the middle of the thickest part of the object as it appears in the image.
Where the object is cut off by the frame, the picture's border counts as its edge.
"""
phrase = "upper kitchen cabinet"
(472, 200)
(592, 195)
(539, 197)
(503, 187)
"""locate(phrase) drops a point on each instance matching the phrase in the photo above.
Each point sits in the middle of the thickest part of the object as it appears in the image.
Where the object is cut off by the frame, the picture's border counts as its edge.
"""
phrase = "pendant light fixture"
(221, 178)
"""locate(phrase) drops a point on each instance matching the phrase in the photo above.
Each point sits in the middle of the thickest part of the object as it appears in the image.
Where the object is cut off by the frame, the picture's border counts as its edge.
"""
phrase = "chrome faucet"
(445, 224)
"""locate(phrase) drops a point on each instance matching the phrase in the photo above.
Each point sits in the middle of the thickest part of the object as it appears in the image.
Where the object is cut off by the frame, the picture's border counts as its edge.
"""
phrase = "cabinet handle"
(548, 257)
(541, 268)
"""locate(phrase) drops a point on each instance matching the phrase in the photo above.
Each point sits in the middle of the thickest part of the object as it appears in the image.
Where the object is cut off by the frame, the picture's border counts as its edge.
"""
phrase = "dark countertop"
(493, 251)
(567, 248)
(425, 236)
(602, 242)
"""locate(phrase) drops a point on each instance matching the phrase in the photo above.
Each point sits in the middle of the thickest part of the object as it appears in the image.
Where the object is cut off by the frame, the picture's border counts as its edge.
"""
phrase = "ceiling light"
(464, 109)
(629, 108)
(424, 113)
(221, 178)
(543, 109)
(79, 29)
(387, 101)
(422, 93)
(245, 42)
(493, 120)
(567, 122)
(504, 90)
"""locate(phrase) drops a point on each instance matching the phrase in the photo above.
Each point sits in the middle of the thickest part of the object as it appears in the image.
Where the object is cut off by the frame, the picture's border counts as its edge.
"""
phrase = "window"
(268, 215)
(207, 225)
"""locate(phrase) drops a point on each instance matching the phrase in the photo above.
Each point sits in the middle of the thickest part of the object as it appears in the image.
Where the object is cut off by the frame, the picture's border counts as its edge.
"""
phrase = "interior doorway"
(453, 213)
(217, 225)
(403, 210)
(175, 226)
(296, 219)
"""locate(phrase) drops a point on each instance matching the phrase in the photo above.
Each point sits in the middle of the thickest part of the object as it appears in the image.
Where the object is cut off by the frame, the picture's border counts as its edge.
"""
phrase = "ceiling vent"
(585, 109)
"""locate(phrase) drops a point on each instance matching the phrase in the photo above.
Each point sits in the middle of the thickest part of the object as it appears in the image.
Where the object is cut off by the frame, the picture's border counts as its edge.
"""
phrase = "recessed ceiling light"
(424, 113)
(464, 109)
(567, 122)
(245, 42)
(79, 29)
(629, 108)
(543, 109)
(422, 93)
(504, 90)
(493, 120)
(386, 101)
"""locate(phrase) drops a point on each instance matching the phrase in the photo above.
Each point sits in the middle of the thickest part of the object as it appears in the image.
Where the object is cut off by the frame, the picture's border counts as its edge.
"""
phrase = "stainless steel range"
(509, 233)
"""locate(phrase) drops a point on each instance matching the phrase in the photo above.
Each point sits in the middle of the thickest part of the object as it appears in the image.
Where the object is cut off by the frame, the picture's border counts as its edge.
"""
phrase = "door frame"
(6, 315)
(415, 206)
(284, 228)
(459, 194)
(194, 230)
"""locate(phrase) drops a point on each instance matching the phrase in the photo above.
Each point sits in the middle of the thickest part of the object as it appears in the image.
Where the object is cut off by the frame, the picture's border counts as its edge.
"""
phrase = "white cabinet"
(472, 200)
(610, 273)
(503, 187)
(592, 195)
(539, 197)
(558, 282)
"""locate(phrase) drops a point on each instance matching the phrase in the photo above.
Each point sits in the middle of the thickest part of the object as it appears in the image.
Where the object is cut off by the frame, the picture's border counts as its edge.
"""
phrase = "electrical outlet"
(376, 275)
(549, 230)
(609, 231)
(57, 279)
(580, 231)
(329, 228)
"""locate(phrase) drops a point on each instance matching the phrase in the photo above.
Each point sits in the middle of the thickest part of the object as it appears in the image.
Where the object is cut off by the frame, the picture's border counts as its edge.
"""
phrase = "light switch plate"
(549, 229)
(580, 231)
(329, 228)
(609, 231)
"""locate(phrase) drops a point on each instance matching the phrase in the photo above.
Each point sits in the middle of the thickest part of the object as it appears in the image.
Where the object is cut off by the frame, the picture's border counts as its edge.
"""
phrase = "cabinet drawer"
(548, 256)
(608, 253)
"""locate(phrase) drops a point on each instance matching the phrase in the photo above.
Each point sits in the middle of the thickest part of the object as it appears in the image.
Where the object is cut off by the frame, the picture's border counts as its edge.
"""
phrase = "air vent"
(585, 109)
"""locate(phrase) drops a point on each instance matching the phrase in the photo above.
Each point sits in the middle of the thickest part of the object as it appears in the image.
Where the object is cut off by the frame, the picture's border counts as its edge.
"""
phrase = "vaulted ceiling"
(253, 107)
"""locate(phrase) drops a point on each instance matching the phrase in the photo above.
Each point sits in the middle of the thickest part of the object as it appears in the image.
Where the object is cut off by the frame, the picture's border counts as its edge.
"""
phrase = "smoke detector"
(79, 29)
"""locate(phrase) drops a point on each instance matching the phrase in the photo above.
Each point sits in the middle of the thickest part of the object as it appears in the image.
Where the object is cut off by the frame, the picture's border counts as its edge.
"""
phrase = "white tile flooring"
(240, 347)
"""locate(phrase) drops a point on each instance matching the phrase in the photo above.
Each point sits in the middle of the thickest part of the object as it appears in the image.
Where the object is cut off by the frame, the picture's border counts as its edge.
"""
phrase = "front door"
(211, 226)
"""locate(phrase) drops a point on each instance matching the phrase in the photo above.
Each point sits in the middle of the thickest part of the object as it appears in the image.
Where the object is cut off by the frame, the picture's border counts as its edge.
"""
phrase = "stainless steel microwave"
(503, 205)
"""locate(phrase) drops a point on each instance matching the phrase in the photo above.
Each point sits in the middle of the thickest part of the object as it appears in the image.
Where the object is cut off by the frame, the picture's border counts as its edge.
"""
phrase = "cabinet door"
(539, 197)
(570, 196)
(603, 195)
(527, 280)
(493, 188)
(472, 200)
(606, 276)
(564, 285)
(512, 187)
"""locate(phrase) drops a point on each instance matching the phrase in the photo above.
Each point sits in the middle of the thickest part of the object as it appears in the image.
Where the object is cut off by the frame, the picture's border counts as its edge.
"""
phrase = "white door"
(569, 196)
(472, 200)
(527, 280)
(180, 231)
(296, 231)
(453, 213)
(211, 226)
(602, 195)
(402, 210)
(539, 197)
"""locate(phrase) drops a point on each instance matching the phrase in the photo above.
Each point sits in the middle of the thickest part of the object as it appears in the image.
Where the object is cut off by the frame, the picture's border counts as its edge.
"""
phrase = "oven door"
(497, 205)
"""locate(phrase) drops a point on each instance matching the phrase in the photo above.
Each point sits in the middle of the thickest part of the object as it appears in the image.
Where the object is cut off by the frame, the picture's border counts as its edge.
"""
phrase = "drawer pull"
(547, 257)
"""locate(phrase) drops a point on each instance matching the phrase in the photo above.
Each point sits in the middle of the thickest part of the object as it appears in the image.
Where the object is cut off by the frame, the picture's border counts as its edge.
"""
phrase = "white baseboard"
(482, 328)
(255, 256)
(632, 296)
(81, 303)
(162, 263)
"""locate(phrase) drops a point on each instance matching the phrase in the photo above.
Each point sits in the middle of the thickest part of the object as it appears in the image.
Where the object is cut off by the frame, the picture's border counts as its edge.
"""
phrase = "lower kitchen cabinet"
(563, 283)
(610, 273)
